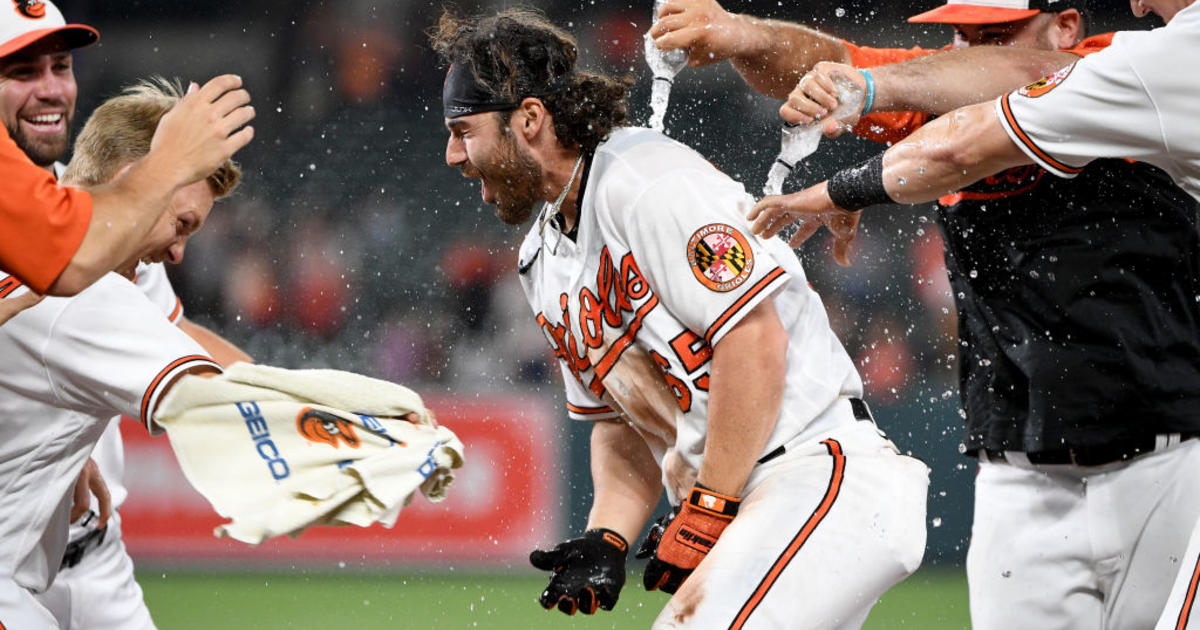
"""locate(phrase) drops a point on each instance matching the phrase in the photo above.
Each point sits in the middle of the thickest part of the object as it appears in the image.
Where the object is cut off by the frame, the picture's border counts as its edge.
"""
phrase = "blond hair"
(119, 133)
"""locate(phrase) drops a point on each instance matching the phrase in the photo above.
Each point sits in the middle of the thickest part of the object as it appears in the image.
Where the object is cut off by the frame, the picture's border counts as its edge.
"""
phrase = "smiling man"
(59, 240)
(700, 356)
(74, 363)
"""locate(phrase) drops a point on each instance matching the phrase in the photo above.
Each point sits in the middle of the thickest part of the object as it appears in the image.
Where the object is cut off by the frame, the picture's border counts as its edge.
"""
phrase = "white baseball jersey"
(101, 593)
(109, 453)
(71, 364)
(1136, 99)
(663, 264)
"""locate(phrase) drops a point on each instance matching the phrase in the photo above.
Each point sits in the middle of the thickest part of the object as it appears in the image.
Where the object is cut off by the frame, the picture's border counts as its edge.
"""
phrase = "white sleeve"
(690, 239)
(1097, 107)
(153, 281)
(111, 351)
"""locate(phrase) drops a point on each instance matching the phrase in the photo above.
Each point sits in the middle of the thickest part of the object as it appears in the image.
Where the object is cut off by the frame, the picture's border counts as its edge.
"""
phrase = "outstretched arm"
(946, 81)
(192, 140)
(932, 84)
(944, 156)
(223, 351)
(771, 55)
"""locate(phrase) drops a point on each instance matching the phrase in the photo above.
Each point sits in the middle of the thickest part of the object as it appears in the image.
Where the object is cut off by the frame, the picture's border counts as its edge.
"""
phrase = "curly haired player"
(698, 351)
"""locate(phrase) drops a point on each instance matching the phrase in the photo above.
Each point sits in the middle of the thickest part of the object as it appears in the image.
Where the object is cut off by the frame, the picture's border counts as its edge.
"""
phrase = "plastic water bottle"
(800, 141)
(664, 65)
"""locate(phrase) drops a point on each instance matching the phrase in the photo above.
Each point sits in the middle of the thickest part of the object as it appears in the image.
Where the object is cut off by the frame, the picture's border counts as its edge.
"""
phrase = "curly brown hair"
(518, 53)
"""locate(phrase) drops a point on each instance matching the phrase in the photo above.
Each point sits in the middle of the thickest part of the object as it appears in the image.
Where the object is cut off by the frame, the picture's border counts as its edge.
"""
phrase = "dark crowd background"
(350, 244)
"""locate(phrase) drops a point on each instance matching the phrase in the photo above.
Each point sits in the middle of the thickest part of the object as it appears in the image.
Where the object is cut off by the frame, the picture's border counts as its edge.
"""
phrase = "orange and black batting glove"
(676, 545)
(588, 572)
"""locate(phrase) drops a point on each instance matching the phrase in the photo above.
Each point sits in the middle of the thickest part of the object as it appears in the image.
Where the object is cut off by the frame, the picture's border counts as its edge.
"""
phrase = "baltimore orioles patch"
(1043, 85)
(720, 257)
(325, 428)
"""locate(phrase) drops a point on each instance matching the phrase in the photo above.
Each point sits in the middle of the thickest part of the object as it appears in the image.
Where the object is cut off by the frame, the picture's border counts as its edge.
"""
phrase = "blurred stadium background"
(351, 245)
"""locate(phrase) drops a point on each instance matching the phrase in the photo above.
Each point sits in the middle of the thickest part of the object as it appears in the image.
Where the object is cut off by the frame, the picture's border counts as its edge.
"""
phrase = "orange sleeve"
(886, 127)
(41, 224)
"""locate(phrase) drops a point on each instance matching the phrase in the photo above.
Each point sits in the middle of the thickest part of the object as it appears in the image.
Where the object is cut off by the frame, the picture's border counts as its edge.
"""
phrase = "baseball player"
(76, 362)
(698, 352)
(96, 588)
(1064, 289)
(59, 240)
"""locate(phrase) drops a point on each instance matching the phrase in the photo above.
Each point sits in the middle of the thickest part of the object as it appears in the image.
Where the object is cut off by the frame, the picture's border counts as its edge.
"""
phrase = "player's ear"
(532, 116)
(1068, 28)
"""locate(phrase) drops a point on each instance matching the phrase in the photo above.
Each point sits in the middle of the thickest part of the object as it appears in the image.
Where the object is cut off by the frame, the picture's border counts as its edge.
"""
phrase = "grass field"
(930, 600)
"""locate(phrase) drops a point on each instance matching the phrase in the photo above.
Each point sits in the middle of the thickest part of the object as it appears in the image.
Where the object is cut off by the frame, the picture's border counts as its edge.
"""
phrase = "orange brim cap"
(972, 14)
(76, 36)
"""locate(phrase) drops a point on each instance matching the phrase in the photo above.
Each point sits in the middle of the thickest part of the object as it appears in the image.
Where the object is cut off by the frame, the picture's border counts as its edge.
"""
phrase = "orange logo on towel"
(325, 428)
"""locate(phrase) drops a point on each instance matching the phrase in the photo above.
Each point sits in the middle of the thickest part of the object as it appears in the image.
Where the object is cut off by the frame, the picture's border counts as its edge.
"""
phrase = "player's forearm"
(746, 390)
(223, 351)
(625, 478)
(123, 213)
(948, 154)
(946, 81)
(775, 54)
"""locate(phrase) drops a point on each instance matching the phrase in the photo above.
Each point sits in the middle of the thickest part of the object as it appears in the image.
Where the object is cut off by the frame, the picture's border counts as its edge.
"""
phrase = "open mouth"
(45, 123)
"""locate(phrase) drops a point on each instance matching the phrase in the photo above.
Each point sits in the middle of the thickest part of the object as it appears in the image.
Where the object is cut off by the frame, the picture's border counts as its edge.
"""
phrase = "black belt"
(857, 405)
(77, 548)
(1092, 455)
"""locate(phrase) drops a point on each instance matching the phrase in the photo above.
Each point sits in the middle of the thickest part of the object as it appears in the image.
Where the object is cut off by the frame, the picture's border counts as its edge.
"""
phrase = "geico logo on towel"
(262, 440)
(325, 428)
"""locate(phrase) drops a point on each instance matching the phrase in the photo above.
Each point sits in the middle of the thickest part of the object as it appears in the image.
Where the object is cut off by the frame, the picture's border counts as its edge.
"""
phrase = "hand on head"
(206, 128)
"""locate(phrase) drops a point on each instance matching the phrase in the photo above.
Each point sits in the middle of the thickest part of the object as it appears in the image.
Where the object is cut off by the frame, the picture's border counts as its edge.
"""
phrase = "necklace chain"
(551, 210)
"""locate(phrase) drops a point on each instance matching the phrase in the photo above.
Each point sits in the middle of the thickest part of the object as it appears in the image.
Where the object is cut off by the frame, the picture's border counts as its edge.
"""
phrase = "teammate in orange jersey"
(60, 240)
(1065, 289)
(698, 352)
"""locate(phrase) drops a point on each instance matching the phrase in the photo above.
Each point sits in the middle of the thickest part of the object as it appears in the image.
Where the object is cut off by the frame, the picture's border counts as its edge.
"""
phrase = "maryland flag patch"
(1043, 86)
(720, 257)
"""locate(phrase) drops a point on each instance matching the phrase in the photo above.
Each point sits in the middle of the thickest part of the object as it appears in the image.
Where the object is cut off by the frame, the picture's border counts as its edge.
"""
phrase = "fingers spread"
(804, 231)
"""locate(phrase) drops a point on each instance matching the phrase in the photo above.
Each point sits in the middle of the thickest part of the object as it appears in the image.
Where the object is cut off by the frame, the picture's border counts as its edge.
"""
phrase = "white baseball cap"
(23, 22)
(993, 11)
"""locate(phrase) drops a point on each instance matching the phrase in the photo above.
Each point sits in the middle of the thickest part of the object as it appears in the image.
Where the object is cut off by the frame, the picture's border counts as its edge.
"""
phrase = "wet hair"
(518, 53)
(119, 133)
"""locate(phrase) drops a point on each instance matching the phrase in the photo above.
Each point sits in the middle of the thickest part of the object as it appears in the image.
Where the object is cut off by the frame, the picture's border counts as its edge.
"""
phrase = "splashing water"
(664, 65)
(800, 141)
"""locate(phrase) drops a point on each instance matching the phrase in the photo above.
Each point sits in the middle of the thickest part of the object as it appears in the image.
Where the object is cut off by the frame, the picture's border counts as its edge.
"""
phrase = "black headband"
(463, 95)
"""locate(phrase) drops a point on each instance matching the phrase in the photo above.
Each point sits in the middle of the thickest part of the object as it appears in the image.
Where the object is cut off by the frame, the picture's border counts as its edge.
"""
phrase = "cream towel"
(278, 451)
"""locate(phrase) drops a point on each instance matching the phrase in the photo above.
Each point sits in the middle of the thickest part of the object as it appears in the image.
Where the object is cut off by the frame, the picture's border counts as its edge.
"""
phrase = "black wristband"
(608, 536)
(859, 186)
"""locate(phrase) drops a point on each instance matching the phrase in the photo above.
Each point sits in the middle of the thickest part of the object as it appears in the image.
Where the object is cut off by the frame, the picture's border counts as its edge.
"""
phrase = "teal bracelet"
(870, 99)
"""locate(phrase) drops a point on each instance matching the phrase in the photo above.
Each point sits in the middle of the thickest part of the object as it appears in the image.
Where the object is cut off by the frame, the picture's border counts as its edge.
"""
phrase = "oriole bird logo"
(31, 8)
(325, 428)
